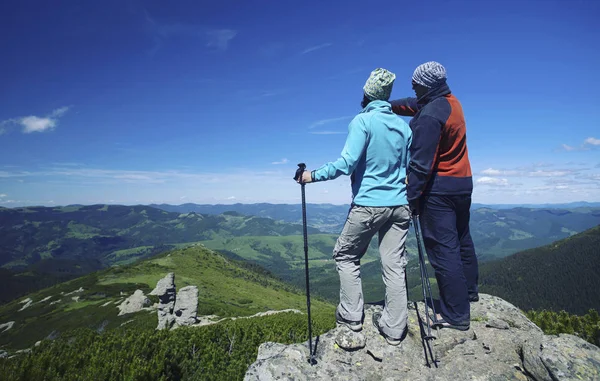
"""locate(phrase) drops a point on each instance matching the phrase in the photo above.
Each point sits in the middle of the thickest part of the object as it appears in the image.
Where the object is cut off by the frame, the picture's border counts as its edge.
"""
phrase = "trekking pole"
(298, 177)
(425, 287)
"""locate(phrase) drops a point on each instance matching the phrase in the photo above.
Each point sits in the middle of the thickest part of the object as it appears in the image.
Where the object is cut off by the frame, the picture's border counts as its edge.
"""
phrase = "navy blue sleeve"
(405, 106)
(423, 152)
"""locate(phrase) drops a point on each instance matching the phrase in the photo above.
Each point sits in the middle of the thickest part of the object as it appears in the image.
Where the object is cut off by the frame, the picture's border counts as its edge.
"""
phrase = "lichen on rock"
(501, 344)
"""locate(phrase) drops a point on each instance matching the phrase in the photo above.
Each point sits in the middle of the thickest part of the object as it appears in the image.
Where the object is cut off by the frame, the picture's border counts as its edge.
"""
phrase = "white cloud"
(231, 198)
(585, 146)
(595, 176)
(317, 47)
(592, 141)
(569, 148)
(327, 132)
(282, 161)
(492, 181)
(59, 112)
(497, 172)
(323, 122)
(2, 195)
(34, 123)
(550, 173)
(528, 172)
(132, 176)
(220, 38)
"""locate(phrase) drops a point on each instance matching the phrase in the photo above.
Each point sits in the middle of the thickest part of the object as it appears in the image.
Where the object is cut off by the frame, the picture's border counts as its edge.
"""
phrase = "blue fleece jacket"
(376, 154)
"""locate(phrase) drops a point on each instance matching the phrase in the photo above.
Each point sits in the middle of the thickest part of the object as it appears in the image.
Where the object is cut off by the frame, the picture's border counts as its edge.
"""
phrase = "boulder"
(349, 340)
(6, 326)
(501, 344)
(186, 306)
(26, 303)
(165, 289)
(134, 303)
(565, 357)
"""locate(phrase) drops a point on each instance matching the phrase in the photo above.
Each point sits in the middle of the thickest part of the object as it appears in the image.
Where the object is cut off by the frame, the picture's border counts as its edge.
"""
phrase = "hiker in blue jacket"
(439, 189)
(376, 156)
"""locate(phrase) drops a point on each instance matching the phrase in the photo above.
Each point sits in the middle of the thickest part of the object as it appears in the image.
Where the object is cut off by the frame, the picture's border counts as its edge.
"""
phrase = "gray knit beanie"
(429, 74)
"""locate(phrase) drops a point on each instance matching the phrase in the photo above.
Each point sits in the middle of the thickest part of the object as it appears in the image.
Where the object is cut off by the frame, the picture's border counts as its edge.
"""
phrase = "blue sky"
(149, 101)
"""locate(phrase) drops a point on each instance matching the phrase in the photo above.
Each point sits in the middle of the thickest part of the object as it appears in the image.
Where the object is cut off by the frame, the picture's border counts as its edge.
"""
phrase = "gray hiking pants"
(363, 222)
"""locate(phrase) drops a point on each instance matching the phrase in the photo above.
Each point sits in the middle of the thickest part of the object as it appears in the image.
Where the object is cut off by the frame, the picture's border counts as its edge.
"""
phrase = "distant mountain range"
(564, 275)
(569, 205)
(41, 246)
(108, 233)
(291, 212)
(497, 232)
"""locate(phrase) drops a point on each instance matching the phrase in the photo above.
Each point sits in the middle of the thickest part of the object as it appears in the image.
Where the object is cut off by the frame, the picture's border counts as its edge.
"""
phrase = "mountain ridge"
(564, 275)
(227, 288)
(71, 241)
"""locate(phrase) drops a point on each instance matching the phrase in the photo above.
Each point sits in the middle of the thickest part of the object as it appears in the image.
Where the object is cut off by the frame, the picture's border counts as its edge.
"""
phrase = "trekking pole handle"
(300, 171)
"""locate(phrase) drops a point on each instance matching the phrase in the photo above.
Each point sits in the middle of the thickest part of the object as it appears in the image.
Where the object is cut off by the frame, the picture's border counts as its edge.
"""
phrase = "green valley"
(564, 275)
(497, 231)
(227, 288)
(82, 337)
(44, 246)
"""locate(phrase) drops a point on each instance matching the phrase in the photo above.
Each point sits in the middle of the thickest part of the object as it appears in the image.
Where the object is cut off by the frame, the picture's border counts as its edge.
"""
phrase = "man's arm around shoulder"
(405, 106)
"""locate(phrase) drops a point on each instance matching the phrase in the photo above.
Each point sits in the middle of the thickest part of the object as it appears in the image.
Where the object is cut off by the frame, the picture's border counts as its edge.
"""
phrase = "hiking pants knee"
(363, 222)
(450, 249)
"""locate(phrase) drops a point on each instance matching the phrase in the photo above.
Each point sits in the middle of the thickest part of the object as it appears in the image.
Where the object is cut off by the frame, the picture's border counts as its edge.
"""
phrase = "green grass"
(78, 305)
(127, 256)
(227, 288)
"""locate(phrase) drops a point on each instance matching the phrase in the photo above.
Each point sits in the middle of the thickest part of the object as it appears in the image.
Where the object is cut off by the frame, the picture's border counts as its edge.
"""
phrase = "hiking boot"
(388, 339)
(474, 298)
(356, 326)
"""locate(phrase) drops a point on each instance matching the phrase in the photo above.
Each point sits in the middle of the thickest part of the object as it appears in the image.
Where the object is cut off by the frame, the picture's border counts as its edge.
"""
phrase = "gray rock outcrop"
(186, 306)
(501, 344)
(6, 326)
(175, 310)
(135, 303)
(165, 290)
(26, 303)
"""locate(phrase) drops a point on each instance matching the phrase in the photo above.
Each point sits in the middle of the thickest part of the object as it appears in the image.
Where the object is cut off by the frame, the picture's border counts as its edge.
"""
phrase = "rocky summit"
(502, 344)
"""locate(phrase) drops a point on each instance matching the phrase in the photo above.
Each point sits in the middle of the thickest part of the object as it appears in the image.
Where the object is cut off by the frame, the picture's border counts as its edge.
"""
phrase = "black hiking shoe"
(474, 298)
(390, 340)
(356, 326)
(442, 323)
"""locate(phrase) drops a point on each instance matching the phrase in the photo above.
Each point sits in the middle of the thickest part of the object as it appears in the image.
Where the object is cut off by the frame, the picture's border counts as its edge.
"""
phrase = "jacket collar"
(377, 105)
(435, 92)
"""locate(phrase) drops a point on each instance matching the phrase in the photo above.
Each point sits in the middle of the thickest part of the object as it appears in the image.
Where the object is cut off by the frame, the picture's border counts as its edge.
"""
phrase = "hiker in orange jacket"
(440, 188)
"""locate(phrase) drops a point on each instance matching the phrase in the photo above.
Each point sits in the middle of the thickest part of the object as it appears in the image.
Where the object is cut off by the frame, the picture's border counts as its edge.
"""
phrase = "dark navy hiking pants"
(450, 249)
